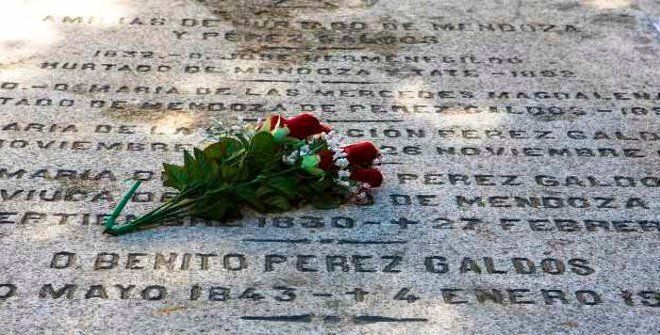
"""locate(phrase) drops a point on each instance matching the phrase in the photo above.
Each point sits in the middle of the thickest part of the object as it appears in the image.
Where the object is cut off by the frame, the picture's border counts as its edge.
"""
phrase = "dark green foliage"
(216, 182)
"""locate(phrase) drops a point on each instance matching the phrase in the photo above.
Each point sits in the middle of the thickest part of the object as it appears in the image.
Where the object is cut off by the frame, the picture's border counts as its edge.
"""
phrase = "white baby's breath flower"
(338, 155)
(304, 150)
(332, 142)
(342, 163)
(344, 174)
(361, 198)
(337, 150)
(343, 183)
(288, 160)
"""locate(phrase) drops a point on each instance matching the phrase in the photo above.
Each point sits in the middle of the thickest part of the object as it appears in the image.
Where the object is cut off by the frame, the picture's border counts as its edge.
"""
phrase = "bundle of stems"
(173, 208)
(181, 205)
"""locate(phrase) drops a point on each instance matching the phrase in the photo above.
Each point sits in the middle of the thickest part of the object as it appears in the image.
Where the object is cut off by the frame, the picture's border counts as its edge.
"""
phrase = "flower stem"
(175, 207)
(110, 221)
(172, 208)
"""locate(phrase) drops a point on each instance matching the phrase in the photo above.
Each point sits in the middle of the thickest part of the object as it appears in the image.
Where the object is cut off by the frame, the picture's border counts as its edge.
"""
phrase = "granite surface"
(521, 156)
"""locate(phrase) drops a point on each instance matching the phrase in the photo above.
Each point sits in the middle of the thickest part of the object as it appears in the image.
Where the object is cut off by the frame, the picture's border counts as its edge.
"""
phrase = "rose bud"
(273, 121)
(361, 153)
(326, 160)
(304, 125)
(373, 177)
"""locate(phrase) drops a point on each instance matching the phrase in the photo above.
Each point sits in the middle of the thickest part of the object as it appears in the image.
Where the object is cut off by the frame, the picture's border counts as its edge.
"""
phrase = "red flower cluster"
(360, 155)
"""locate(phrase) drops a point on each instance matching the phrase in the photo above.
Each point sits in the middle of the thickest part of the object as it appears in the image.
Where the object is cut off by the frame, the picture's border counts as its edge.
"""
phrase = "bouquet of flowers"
(270, 166)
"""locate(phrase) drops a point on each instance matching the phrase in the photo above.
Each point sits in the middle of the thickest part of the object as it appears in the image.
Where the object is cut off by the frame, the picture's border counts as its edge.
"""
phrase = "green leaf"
(319, 186)
(286, 185)
(203, 163)
(192, 169)
(214, 175)
(223, 149)
(263, 191)
(262, 141)
(228, 172)
(212, 210)
(325, 201)
(278, 203)
(263, 149)
(175, 176)
(249, 195)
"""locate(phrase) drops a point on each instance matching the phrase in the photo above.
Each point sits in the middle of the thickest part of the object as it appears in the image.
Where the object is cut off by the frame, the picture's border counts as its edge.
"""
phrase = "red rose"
(326, 160)
(361, 153)
(373, 177)
(276, 121)
(304, 125)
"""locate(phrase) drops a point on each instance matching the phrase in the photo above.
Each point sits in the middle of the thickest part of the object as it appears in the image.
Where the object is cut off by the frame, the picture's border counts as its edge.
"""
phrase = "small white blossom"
(338, 152)
(288, 160)
(304, 150)
(342, 163)
(344, 174)
(361, 198)
(333, 141)
(343, 183)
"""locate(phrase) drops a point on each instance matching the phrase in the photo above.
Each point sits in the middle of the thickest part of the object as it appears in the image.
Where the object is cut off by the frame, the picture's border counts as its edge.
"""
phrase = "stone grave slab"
(520, 148)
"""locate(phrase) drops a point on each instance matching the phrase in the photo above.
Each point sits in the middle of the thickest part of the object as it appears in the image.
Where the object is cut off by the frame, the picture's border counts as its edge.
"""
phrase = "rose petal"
(304, 125)
(373, 177)
(361, 153)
